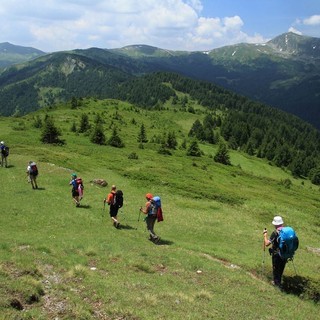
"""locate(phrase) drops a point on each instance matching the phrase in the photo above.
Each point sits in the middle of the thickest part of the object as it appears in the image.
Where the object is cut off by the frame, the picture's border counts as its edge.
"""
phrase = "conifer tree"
(142, 137)
(50, 133)
(115, 140)
(171, 140)
(98, 136)
(84, 123)
(222, 155)
(194, 149)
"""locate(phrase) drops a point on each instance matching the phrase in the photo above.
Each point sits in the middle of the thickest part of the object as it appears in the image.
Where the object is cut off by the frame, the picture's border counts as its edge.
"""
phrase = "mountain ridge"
(283, 72)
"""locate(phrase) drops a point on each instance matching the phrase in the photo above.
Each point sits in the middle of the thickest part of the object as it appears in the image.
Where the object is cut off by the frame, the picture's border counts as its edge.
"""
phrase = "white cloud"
(54, 25)
(294, 30)
(312, 21)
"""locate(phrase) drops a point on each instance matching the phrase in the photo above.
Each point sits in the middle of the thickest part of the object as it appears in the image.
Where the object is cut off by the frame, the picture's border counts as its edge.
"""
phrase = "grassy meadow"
(62, 262)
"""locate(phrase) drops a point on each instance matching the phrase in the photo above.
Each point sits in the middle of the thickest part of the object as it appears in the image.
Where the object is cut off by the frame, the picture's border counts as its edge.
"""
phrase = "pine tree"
(98, 136)
(194, 149)
(171, 140)
(222, 155)
(115, 140)
(50, 133)
(142, 137)
(84, 123)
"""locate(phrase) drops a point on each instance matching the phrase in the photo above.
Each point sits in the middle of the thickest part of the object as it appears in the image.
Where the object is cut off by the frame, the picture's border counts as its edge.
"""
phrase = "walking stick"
(264, 251)
(104, 208)
(139, 214)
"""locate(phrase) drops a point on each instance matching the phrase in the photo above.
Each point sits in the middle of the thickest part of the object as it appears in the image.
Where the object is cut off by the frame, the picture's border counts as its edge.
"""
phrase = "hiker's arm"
(267, 242)
(145, 211)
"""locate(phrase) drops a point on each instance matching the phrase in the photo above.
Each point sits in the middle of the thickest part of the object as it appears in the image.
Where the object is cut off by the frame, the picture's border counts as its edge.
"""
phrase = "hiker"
(278, 263)
(76, 185)
(32, 173)
(4, 154)
(114, 207)
(151, 218)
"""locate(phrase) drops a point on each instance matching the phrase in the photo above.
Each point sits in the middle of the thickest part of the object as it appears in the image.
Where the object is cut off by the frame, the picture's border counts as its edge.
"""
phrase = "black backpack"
(118, 199)
(5, 151)
(33, 169)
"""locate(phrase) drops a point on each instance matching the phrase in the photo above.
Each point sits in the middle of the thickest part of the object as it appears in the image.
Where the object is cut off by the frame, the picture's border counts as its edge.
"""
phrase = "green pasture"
(62, 262)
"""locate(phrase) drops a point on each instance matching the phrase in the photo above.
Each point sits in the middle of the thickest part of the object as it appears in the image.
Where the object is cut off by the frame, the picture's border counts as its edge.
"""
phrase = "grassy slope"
(214, 217)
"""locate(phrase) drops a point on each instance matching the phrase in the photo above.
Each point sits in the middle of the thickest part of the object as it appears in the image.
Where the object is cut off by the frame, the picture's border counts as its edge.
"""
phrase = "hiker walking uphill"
(284, 244)
(114, 201)
(151, 217)
(77, 189)
(4, 154)
(32, 173)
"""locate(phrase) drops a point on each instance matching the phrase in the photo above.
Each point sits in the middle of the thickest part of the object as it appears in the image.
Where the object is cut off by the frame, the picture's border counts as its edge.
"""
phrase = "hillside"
(283, 73)
(12, 54)
(285, 140)
(59, 261)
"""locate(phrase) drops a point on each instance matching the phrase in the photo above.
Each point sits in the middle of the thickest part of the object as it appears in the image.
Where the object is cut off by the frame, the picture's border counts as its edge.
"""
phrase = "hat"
(74, 175)
(277, 221)
(149, 196)
(2, 142)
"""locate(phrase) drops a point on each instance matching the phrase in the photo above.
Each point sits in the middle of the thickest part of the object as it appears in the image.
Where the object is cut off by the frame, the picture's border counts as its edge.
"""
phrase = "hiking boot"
(118, 225)
(156, 239)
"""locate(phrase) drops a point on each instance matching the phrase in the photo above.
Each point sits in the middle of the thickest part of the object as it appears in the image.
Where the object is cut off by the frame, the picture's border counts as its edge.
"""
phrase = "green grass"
(59, 261)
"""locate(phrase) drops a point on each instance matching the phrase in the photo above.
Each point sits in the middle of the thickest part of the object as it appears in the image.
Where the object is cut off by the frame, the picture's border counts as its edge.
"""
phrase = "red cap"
(149, 196)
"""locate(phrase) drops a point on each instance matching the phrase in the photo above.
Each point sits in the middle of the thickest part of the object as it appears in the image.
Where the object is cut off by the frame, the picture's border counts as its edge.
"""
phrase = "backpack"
(5, 151)
(156, 208)
(33, 169)
(288, 242)
(80, 186)
(118, 199)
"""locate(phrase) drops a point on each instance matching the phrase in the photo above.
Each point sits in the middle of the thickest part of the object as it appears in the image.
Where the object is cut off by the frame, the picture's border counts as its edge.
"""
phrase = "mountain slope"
(12, 54)
(284, 73)
(59, 261)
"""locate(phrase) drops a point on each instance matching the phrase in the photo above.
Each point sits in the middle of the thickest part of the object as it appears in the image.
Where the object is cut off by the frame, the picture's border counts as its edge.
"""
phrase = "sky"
(191, 25)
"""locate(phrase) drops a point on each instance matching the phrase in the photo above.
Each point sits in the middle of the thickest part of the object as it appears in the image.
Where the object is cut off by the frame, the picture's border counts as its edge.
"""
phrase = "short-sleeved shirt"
(274, 239)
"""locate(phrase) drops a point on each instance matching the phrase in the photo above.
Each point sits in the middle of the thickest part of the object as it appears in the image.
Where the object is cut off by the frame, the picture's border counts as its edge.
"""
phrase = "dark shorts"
(75, 193)
(113, 211)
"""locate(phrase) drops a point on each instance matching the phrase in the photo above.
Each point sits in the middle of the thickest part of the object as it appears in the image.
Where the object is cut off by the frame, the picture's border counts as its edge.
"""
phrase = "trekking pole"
(139, 214)
(294, 267)
(264, 251)
(104, 207)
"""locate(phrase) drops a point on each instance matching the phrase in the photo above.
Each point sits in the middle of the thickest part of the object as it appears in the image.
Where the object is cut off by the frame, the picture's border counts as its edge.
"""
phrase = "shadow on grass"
(84, 206)
(127, 227)
(164, 242)
(302, 287)
(9, 166)
(40, 188)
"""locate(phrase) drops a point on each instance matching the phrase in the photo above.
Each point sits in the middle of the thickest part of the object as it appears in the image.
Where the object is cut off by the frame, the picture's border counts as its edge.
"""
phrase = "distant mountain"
(12, 54)
(284, 73)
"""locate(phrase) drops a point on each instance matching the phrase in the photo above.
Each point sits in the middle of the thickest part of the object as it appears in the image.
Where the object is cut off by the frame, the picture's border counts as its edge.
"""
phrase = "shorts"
(75, 193)
(113, 211)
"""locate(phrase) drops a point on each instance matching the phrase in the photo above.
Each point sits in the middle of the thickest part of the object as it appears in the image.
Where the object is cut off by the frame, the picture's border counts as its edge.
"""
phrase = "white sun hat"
(277, 221)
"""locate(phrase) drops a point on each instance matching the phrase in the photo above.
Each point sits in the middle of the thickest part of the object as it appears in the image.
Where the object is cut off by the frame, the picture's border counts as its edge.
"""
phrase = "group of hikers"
(283, 240)
(114, 200)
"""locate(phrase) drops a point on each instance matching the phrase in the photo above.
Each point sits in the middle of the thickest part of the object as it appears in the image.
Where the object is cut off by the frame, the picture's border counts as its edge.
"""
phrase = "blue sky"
(192, 25)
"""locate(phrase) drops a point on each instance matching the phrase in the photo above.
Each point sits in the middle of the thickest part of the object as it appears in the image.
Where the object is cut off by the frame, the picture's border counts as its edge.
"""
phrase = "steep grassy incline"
(59, 261)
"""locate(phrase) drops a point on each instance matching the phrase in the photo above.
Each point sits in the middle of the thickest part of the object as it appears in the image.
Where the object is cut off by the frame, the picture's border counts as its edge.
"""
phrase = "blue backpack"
(288, 242)
(156, 209)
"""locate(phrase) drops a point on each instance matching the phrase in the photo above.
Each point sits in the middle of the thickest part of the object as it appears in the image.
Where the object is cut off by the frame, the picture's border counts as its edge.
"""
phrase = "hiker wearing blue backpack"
(77, 187)
(284, 243)
(150, 211)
